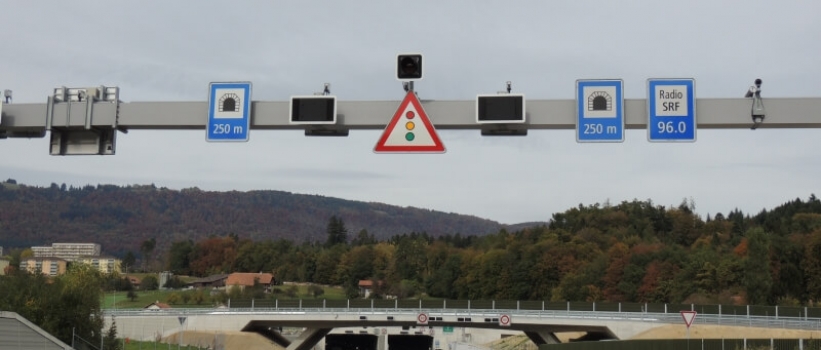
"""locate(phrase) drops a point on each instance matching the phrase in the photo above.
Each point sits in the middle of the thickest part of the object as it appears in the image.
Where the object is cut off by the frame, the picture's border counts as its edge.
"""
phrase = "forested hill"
(120, 218)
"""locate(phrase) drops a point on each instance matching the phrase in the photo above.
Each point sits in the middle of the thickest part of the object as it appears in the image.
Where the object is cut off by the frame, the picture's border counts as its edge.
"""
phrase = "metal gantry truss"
(86, 122)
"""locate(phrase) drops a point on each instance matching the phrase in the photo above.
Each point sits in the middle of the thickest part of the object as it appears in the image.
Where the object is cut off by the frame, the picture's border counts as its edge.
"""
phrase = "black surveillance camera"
(757, 112)
(754, 90)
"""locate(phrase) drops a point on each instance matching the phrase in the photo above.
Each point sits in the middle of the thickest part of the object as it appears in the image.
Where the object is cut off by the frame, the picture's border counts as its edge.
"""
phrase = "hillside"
(120, 218)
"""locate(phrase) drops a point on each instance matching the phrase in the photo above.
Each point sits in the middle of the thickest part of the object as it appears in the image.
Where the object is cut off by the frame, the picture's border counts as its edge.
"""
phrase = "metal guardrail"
(481, 309)
(692, 344)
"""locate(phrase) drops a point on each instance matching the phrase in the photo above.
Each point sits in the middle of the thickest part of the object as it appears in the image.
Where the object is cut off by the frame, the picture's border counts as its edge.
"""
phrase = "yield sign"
(689, 317)
(410, 130)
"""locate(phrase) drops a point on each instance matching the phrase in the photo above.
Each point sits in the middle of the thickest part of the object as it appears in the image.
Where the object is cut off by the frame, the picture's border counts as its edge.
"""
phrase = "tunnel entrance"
(350, 342)
(410, 342)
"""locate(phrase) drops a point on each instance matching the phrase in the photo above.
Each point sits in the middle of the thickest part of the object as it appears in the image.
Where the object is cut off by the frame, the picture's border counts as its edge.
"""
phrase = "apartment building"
(46, 266)
(101, 263)
(4, 264)
(67, 251)
(42, 252)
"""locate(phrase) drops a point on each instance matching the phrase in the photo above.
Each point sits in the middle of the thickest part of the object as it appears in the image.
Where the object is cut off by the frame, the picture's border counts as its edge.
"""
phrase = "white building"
(42, 252)
(67, 251)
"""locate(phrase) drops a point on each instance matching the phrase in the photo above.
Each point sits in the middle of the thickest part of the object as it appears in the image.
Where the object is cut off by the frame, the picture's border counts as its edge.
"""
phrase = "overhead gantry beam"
(733, 113)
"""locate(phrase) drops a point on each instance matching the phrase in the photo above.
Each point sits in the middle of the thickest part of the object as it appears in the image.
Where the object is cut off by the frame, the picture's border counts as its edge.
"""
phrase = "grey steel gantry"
(79, 125)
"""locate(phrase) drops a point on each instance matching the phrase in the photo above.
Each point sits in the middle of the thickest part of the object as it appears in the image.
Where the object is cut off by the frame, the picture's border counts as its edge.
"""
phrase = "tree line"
(634, 251)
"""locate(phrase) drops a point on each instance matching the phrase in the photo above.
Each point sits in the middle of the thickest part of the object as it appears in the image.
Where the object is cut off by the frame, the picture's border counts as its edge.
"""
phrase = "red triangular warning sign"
(410, 130)
(688, 317)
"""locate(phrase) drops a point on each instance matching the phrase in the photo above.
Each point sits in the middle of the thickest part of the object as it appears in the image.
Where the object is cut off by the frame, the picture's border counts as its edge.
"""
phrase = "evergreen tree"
(147, 248)
(128, 261)
(131, 295)
(110, 341)
(757, 278)
(337, 233)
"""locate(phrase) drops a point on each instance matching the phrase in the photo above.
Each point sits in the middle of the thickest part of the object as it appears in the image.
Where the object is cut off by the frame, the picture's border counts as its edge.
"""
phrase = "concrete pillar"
(542, 337)
(308, 338)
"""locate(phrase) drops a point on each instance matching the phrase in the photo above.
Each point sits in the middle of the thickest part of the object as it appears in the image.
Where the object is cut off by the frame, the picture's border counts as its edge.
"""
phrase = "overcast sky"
(171, 50)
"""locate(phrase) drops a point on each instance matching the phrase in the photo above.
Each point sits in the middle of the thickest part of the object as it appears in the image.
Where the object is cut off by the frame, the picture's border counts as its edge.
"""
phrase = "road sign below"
(689, 317)
(504, 320)
(599, 111)
(181, 319)
(416, 135)
(671, 110)
(422, 318)
(447, 329)
(229, 111)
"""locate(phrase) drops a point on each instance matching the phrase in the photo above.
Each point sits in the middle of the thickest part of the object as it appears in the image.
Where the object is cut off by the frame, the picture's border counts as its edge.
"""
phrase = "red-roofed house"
(157, 305)
(247, 279)
(366, 287)
(134, 281)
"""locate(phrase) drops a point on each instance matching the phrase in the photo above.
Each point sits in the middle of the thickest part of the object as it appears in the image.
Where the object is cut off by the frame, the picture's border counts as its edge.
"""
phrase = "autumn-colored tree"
(214, 255)
(618, 257)
(741, 249)
(173, 298)
(812, 266)
(410, 258)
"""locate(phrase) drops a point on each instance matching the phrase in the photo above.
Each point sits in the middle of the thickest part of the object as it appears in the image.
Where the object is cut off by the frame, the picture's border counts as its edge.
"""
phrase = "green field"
(144, 345)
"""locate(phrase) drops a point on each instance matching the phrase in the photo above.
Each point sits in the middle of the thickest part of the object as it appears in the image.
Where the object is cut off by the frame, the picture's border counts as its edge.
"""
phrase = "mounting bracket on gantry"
(69, 114)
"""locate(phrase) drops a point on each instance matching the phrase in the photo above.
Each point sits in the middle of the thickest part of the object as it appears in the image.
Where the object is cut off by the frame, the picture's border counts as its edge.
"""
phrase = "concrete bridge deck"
(540, 326)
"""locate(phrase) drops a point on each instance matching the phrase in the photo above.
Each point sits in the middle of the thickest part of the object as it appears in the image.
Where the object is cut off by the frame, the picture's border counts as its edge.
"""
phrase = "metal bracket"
(82, 139)
(407, 85)
(503, 130)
